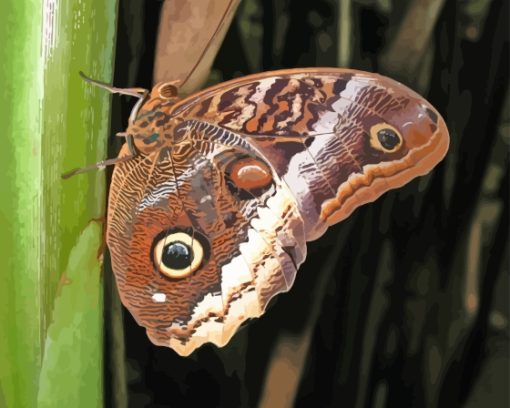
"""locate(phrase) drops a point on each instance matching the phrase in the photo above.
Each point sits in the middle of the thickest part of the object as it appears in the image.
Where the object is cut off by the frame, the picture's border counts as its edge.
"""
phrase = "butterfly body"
(211, 219)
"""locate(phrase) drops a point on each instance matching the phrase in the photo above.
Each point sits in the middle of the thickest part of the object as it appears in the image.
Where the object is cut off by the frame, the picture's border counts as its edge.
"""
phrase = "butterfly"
(213, 197)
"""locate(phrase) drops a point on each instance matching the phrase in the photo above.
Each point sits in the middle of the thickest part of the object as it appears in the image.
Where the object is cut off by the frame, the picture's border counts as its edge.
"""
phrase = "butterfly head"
(166, 91)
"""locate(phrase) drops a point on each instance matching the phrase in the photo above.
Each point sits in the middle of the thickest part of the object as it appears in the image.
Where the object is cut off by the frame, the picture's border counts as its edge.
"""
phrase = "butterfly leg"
(99, 166)
(103, 163)
(141, 94)
(130, 142)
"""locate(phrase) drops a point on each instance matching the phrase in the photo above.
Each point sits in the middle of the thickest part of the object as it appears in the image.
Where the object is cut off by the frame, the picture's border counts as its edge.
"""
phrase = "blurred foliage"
(187, 55)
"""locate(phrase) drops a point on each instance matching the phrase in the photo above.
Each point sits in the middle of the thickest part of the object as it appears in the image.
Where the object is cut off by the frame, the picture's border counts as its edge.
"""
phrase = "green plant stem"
(52, 122)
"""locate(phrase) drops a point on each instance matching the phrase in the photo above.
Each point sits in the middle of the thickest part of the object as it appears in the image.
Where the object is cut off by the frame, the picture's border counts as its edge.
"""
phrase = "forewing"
(319, 130)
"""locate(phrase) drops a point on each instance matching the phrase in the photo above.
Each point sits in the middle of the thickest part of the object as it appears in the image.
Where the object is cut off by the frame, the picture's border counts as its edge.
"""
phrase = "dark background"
(405, 303)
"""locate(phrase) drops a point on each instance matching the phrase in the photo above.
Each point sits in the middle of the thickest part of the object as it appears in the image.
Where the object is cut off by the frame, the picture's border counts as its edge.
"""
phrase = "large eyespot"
(178, 255)
(385, 138)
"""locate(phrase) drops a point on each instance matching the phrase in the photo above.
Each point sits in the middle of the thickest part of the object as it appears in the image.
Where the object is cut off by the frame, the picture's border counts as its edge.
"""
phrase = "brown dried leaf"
(189, 37)
(403, 56)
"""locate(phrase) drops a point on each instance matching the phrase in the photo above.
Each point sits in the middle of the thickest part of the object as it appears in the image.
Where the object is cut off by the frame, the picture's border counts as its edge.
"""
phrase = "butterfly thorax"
(154, 131)
(154, 124)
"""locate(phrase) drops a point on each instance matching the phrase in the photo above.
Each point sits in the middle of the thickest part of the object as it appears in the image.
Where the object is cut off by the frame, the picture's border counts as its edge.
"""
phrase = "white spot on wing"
(159, 297)
(205, 198)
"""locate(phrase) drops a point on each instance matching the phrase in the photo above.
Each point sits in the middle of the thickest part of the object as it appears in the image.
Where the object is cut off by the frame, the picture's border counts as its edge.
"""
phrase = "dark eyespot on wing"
(388, 138)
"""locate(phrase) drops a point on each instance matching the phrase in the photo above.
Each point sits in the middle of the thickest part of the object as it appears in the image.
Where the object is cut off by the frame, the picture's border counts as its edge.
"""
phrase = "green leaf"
(69, 376)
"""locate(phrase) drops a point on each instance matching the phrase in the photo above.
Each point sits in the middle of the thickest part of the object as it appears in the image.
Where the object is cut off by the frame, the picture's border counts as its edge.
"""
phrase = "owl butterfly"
(209, 219)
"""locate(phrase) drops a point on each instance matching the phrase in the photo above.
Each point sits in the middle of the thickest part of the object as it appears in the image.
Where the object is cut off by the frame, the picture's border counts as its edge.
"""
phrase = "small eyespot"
(388, 138)
(385, 138)
(250, 174)
(168, 90)
(178, 255)
(249, 177)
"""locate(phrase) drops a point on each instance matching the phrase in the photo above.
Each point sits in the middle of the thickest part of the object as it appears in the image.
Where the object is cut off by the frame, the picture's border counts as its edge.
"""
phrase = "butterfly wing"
(210, 221)
(323, 129)
(193, 254)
